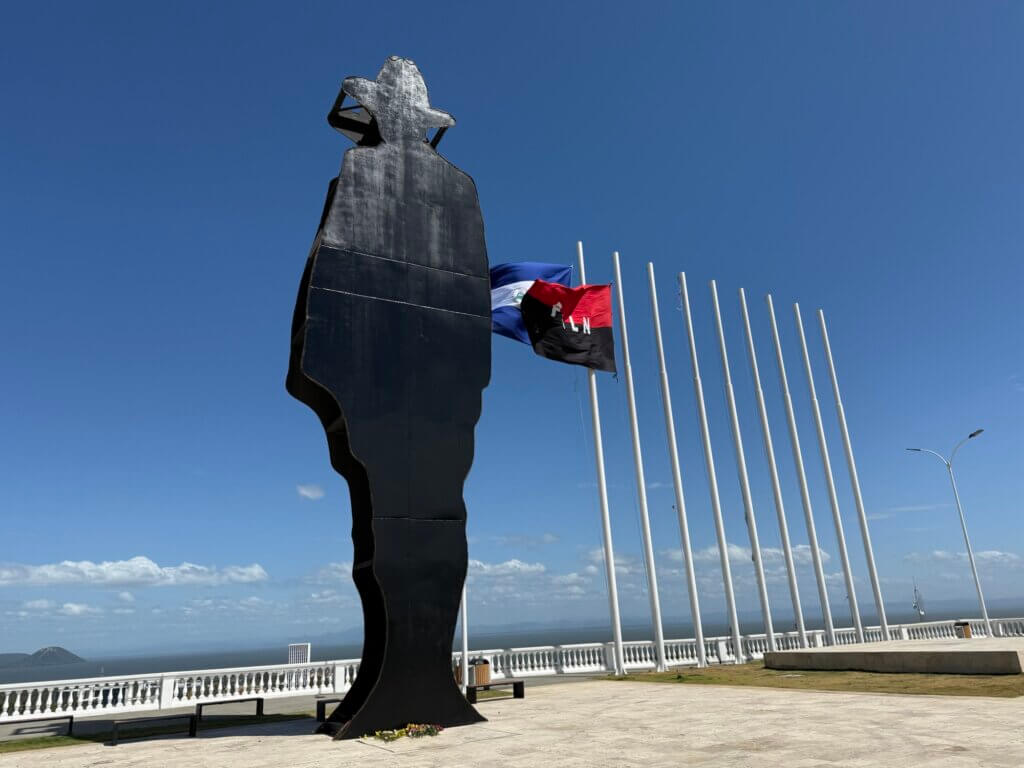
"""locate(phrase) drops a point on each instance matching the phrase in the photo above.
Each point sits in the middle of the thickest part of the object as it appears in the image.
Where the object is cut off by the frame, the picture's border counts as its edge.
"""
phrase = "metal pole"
(677, 478)
(805, 495)
(641, 487)
(741, 468)
(465, 642)
(970, 551)
(709, 462)
(769, 450)
(602, 490)
(858, 500)
(830, 485)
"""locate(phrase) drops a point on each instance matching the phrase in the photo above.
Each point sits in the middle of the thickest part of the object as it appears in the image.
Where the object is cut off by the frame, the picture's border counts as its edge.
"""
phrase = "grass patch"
(174, 727)
(41, 742)
(754, 674)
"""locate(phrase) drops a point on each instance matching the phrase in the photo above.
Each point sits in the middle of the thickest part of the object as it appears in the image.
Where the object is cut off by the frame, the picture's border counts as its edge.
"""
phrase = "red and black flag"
(573, 325)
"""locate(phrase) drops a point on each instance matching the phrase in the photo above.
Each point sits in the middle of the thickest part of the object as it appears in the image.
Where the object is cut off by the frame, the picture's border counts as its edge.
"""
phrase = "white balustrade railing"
(1005, 627)
(681, 653)
(187, 688)
(84, 698)
(93, 697)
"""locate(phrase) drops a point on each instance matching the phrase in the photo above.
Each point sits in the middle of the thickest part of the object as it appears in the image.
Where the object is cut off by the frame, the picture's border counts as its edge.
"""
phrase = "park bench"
(321, 708)
(257, 699)
(191, 724)
(518, 688)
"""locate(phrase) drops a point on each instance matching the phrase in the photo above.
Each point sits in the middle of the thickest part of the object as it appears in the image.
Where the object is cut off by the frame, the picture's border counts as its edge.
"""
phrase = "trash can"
(479, 671)
(962, 629)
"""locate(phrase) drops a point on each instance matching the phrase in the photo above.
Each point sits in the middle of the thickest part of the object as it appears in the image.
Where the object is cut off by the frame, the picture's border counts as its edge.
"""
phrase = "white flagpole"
(709, 462)
(465, 642)
(677, 478)
(641, 487)
(773, 470)
(830, 485)
(854, 481)
(602, 490)
(805, 495)
(741, 468)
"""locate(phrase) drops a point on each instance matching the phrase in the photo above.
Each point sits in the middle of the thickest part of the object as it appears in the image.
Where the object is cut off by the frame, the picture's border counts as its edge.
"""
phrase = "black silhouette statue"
(391, 349)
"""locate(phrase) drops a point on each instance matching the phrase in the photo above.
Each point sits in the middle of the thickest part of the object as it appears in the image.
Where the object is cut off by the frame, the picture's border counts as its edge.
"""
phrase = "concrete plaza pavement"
(610, 723)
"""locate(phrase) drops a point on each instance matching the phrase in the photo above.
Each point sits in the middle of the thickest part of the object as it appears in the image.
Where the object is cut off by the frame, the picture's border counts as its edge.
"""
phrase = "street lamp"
(963, 524)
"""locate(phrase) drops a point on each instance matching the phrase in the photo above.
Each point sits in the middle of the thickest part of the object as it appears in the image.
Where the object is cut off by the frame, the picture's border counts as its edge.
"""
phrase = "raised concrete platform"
(977, 656)
(605, 723)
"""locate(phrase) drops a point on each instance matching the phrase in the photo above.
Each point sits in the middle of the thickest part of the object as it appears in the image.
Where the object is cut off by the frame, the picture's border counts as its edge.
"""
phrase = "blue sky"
(162, 169)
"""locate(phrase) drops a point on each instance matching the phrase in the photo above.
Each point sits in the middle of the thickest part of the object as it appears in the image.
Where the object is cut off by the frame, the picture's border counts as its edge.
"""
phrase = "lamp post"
(963, 523)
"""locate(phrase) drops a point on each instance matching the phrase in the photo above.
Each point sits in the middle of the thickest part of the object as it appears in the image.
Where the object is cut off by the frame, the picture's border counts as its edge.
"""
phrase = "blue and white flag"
(509, 283)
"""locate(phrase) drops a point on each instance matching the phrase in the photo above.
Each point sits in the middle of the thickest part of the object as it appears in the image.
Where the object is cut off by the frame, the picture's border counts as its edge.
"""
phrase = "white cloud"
(252, 603)
(513, 566)
(890, 511)
(77, 609)
(995, 557)
(525, 584)
(39, 605)
(802, 554)
(126, 597)
(137, 571)
(624, 566)
(236, 574)
(327, 596)
(525, 541)
(124, 611)
(311, 492)
(739, 554)
(569, 579)
(917, 508)
(334, 572)
(219, 606)
(988, 557)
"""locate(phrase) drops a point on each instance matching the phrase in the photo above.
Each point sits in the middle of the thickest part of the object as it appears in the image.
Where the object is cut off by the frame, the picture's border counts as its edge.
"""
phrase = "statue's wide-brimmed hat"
(398, 99)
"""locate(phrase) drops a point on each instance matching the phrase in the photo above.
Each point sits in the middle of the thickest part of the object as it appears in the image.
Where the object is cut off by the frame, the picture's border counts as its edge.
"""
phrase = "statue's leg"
(374, 617)
(373, 651)
(420, 566)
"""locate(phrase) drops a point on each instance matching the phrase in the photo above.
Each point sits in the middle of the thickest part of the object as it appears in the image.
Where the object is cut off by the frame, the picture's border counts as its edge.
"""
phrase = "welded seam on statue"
(396, 301)
(421, 519)
(345, 249)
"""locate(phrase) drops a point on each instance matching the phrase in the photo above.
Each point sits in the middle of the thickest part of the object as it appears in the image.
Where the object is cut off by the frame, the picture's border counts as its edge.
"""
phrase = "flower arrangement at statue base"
(412, 730)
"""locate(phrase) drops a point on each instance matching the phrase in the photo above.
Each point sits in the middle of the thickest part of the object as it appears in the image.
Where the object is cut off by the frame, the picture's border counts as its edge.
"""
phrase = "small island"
(50, 656)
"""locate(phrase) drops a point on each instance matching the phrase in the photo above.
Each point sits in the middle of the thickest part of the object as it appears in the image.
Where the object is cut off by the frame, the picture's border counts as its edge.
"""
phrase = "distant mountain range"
(44, 657)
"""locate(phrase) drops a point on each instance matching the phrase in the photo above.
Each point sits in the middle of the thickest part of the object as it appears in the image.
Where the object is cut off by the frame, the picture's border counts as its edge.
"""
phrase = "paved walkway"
(605, 723)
